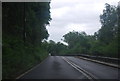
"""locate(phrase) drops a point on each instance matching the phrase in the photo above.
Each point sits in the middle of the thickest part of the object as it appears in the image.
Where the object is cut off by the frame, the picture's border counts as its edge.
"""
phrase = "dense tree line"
(24, 37)
(24, 28)
(104, 42)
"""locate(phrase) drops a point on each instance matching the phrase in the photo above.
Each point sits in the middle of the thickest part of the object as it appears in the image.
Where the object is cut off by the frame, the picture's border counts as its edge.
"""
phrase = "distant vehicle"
(49, 54)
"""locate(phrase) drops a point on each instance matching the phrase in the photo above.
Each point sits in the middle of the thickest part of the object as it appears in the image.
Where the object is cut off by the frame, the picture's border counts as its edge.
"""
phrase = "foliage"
(56, 48)
(24, 37)
(77, 41)
(104, 42)
(109, 29)
(24, 28)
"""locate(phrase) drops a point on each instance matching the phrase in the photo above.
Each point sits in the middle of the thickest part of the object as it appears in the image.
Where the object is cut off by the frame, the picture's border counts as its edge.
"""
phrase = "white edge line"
(84, 70)
(31, 69)
(77, 68)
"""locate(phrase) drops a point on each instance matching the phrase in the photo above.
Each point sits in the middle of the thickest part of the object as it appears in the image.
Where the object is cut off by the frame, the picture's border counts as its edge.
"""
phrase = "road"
(99, 71)
(59, 67)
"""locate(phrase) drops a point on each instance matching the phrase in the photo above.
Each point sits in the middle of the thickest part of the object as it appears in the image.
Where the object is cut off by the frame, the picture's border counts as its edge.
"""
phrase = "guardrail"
(101, 58)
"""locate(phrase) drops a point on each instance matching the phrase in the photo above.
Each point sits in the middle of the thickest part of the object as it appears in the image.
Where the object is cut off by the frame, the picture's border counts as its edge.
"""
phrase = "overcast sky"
(78, 15)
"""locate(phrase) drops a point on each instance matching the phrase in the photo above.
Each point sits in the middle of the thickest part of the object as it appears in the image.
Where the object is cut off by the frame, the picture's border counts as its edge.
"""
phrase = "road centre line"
(85, 73)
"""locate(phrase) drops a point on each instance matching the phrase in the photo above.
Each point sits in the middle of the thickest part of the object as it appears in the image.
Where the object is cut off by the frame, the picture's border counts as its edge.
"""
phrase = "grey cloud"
(81, 13)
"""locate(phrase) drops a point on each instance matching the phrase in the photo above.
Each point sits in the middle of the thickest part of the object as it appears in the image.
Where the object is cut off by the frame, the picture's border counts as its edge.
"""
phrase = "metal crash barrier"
(101, 58)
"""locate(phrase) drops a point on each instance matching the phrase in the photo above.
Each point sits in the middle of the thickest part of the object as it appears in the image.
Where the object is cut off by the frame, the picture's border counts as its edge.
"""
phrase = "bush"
(17, 57)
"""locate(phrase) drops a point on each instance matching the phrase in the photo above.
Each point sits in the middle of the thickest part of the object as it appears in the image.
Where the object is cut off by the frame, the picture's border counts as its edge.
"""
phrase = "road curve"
(99, 71)
(54, 67)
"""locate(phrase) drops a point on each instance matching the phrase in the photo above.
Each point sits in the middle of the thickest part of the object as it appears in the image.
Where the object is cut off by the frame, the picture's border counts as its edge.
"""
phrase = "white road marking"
(85, 73)
(30, 70)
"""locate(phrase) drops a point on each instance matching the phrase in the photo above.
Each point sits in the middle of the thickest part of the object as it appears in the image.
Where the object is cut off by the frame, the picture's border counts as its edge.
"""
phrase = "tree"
(109, 27)
(107, 36)
(37, 17)
(23, 30)
(77, 42)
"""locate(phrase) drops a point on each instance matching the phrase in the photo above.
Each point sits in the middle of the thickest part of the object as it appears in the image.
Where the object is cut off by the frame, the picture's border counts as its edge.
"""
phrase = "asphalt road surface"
(55, 67)
(99, 71)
